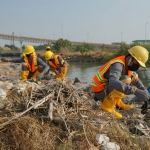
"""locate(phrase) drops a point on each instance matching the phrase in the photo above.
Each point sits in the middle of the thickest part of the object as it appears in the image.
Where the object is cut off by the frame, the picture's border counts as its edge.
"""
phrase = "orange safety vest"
(55, 63)
(34, 65)
(99, 81)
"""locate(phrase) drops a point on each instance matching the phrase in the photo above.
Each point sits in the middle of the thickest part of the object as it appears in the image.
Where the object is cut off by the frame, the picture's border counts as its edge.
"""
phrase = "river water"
(85, 71)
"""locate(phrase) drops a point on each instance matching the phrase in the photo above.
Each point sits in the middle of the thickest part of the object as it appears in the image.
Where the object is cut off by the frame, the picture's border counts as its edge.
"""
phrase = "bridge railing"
(49, 41)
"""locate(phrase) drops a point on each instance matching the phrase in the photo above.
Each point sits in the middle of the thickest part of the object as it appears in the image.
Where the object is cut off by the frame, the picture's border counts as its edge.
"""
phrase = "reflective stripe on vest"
(99, 81)
(56, 63)
(33, 67)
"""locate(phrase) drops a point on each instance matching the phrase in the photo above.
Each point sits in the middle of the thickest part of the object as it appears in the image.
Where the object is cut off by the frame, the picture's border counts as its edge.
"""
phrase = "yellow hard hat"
(28, 49)
(48, 55)
(48, 48)
(140, 54)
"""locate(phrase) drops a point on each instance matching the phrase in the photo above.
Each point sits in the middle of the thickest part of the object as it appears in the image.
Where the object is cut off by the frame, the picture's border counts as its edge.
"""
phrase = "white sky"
(98, 21)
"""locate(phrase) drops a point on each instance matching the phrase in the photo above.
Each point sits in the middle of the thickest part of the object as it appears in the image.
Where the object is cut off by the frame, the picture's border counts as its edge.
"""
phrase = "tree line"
(83, 48)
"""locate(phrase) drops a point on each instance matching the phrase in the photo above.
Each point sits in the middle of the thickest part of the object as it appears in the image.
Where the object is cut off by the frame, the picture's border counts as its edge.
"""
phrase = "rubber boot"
(122, 105)
(62, 74)
(35, 75)
(25, 75)
(108, 106)
(59, 77)
(119, 102)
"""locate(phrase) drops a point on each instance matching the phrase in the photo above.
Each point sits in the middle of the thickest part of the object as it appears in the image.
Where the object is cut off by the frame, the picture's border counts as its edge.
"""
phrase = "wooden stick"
(38, 103)
(50, 111)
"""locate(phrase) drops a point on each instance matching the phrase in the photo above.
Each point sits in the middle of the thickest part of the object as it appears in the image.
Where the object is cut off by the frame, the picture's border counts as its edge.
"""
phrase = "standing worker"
(58, 65)
(33, 67)
(117, 78)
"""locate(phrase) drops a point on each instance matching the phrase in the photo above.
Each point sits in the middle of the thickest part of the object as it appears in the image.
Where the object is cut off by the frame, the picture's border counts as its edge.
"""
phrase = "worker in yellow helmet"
(58, 64)
(118, 78)
(48, 48)
(33, 67)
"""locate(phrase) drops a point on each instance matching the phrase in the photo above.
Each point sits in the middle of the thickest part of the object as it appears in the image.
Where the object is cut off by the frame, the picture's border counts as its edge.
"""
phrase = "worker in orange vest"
(57, 64)
(117, 78)
(33, 67)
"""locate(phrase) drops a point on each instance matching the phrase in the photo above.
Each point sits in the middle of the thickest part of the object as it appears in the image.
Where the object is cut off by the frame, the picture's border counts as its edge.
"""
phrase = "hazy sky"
(98, 21)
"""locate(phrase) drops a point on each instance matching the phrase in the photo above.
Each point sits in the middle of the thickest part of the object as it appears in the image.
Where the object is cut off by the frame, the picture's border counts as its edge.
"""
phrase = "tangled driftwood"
(53, 101)
(57, 101)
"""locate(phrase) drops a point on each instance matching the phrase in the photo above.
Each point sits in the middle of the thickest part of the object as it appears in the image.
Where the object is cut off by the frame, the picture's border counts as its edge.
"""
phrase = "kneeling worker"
(117, 78)
(33, 67)
(58, 65)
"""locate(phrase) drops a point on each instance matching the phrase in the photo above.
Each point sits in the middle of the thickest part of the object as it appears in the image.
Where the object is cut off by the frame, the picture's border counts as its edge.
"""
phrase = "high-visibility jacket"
(34, 64)
(99, 81)
(56, 63)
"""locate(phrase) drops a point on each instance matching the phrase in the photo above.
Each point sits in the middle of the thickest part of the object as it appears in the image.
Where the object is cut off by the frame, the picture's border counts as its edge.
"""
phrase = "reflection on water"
(85, 71)
(144, 75)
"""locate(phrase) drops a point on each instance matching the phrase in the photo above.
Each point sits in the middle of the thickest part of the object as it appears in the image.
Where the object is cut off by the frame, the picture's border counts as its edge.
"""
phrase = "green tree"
(62, 44)
(1, 48)
(123, 49)
(12, 47)
(40, 47)
(81, 48)
(84, 48)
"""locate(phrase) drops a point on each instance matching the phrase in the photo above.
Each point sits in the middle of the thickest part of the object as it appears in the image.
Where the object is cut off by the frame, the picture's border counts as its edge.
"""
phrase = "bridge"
(22, 39)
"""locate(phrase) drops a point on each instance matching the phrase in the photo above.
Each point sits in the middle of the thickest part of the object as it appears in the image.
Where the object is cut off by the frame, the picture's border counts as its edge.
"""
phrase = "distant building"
(141, 42)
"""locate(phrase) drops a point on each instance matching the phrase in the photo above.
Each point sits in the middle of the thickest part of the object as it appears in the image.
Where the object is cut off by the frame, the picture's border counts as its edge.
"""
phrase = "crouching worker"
(33, 67)
(117, 78)
(57, 65)
(48, 48)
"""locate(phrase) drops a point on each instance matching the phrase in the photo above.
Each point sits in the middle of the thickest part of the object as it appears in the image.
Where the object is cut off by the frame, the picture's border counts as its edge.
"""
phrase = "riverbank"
(91, 56)
(63, 116)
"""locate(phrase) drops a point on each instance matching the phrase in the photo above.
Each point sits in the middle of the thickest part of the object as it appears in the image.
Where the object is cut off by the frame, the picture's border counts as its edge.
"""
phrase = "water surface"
(85, 71)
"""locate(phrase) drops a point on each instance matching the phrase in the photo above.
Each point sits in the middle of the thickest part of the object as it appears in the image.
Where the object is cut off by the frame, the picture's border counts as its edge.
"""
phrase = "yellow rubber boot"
(59, 77)
(108, 106)
(25, 75)
(62, 74)
(122, 105)
(118, 96)
(35, 75)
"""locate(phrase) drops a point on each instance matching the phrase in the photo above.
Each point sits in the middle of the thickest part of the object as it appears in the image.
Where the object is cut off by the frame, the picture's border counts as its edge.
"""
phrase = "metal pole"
(121, 37)
(145, 31)
(13, 38)
(20, 45)
(62, 30)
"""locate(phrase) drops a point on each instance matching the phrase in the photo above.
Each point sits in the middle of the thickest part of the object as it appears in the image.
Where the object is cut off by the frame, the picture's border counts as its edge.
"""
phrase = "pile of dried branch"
(51, 115)
(52, 102)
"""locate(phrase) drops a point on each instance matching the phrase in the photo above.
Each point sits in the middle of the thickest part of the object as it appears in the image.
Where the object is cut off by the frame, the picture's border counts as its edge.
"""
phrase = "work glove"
(39, 77)
(4, 60)
(144, 107)
(96, 99)
(143, 95)
(32, 80)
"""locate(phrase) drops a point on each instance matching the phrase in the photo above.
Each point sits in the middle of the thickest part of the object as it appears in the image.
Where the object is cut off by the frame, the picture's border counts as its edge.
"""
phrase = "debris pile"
(60, 115)
(58, 101)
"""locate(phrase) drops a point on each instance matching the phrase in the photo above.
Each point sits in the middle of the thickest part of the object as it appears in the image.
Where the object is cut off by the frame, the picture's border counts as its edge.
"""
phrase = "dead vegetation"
(59, 116)
(46, 116)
